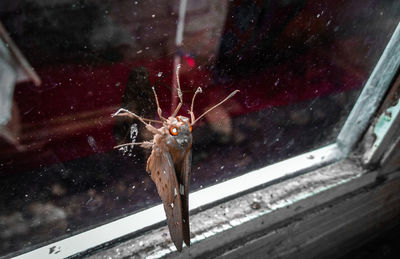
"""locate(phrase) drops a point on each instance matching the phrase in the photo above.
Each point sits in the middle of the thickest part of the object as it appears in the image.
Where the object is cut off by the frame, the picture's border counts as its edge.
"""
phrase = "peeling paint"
(384, 130)
(384, 122)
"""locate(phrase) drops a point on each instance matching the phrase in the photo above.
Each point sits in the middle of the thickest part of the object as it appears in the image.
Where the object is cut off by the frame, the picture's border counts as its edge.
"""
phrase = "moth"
(169, 163)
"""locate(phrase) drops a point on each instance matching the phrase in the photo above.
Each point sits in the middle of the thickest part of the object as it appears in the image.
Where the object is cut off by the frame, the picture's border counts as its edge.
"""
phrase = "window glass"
(299, 66)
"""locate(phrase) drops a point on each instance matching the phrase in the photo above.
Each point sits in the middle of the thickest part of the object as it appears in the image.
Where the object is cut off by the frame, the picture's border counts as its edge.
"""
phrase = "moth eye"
(173, 130)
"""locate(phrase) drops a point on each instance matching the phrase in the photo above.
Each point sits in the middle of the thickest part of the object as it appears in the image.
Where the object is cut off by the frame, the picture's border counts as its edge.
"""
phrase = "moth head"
(184, 122)
(179, 124)
(180, 131)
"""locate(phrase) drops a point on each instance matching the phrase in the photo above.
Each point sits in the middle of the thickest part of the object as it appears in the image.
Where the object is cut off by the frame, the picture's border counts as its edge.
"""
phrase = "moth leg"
(145, 144)
(215, 106)
(198, 91)
(180, 95)
(123, 112)
(159, 111)
(150, 120)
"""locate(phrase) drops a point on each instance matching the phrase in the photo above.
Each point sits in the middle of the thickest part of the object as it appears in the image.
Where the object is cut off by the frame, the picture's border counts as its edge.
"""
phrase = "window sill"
(233, 227)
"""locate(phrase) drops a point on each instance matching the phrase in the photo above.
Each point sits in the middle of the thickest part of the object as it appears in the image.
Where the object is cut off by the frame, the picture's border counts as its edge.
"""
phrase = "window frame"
(300, 166)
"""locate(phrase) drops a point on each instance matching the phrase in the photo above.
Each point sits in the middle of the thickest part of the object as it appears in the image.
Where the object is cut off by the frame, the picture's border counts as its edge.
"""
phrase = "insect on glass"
(169, 163)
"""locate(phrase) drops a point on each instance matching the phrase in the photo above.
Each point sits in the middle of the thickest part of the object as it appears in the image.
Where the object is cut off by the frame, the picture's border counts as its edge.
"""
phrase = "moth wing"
(162, 172)
(185, 180)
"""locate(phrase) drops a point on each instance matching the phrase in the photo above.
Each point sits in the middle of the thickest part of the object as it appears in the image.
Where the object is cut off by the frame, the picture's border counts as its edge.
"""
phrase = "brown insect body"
(169, 163)
(169, 168)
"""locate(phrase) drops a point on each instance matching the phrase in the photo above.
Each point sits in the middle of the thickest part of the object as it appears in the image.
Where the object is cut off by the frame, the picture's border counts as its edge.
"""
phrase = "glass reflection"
(299, 66)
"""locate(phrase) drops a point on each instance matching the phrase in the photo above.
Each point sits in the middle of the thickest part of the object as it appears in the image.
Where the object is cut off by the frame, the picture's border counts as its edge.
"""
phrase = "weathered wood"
(307, 216)
(332, 230)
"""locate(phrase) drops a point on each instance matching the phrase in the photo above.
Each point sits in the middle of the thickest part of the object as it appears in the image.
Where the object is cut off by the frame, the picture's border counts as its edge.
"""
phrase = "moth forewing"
(161, 170)
(184, 190)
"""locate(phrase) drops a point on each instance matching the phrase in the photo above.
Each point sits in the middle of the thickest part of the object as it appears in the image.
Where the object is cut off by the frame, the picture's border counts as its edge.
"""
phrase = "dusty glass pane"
(299, 66)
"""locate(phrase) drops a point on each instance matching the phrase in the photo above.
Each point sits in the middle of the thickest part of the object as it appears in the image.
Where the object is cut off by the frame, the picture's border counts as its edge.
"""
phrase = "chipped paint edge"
(384, 129)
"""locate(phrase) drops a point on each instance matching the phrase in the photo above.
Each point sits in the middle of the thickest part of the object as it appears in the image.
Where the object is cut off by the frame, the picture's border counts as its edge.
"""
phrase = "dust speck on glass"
(299, 66)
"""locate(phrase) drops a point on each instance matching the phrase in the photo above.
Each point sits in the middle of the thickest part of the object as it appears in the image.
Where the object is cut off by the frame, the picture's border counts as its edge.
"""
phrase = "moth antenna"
(215, 106)
(198, 91)
(159, 111)
(180, 95)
